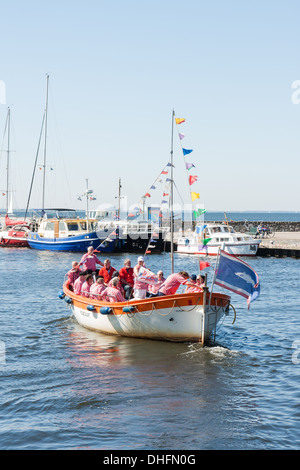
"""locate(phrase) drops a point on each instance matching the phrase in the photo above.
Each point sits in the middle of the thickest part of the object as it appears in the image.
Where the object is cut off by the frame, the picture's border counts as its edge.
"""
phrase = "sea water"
(64, 387)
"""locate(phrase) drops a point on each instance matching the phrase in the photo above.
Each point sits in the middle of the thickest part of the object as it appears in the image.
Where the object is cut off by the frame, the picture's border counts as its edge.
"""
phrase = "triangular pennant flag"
(195, 196)
(199, 212)
(186, 151)
(165, 194)
(179, 120)
(192, 179)
(153, 187)
(203, 265)
(200, 229)
(147, 195)
(181, 136)
(188, 166)
(205, 241)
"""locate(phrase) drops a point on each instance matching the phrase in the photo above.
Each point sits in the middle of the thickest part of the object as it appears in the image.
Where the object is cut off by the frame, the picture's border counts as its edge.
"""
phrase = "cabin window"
(49, 226)
(72, 227)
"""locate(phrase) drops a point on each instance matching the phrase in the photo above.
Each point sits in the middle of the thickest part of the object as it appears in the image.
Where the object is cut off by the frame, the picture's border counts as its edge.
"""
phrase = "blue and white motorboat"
(63, 230)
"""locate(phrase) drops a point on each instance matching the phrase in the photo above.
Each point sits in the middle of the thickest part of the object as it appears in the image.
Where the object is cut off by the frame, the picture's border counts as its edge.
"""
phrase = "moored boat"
(15, 236)
(207, 239)
(61, 230)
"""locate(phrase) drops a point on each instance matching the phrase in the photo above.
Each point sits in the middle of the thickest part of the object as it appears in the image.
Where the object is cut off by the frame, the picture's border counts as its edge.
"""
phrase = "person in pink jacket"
(97, 288)
(113, 294)
(86, 286)
(78, 283)
(73, 274)
(90, 260)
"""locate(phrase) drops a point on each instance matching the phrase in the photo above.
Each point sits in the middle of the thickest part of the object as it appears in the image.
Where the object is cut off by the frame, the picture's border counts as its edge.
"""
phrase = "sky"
(117, 71)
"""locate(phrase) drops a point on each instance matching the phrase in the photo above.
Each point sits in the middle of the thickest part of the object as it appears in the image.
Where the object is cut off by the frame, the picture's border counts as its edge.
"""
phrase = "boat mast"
(171, 198)
(7, 164)
(119, 204)
(87, 205)
(45, 145)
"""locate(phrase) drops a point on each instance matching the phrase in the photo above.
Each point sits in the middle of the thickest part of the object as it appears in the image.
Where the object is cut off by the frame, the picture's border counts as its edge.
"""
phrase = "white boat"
(178, 318)
(238, 244)
(188, 317)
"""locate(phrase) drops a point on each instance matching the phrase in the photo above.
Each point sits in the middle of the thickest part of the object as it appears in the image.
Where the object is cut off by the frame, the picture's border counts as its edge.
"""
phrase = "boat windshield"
(56, 213)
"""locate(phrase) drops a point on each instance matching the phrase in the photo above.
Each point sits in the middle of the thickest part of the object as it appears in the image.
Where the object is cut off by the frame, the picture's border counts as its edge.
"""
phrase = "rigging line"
(4, 133)
(158, 176)
(34, 168)
(179, 193)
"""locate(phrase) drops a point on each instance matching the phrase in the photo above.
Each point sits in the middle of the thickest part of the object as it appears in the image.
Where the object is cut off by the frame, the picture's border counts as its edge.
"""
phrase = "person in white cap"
(140, 287)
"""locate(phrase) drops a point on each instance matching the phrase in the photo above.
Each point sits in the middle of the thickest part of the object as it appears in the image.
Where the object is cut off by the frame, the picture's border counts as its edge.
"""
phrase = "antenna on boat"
(7, 166)
(171, 197)
(45, 145)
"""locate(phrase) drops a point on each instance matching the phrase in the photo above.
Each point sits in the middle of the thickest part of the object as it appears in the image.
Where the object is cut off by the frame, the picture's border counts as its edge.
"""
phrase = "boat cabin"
(57, 228)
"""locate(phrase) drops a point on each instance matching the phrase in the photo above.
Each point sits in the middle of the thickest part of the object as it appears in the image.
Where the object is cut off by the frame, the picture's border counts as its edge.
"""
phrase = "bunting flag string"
(189, 166)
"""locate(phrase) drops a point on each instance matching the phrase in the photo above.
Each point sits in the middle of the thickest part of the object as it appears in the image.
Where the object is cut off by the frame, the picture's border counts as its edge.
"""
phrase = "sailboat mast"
(171, 198)
(45, 144)
(87, 205)
(119, 204)
(7, 164)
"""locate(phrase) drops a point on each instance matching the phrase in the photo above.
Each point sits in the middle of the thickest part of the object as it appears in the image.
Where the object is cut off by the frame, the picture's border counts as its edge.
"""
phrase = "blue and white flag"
(236, 275)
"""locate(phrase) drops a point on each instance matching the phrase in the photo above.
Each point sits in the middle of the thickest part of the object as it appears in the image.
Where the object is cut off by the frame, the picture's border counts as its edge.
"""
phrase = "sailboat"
(60, 229)
(187, 317)
(16, 231)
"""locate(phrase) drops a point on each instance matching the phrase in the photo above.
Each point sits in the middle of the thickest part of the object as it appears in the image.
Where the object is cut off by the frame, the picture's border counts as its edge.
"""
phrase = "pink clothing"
(96, 290)
(140, 285)
(78, 285)
(119, 286)
(154, 289)
(90, 261)
(195, 288)
(111, 294)
(73, 274)
(172, 283)
(85, 290)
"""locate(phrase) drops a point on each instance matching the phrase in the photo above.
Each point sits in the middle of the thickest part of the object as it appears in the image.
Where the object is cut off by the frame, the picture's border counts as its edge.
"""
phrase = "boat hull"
(13, 241)
(242, 249)
(78, 243)
(177, 318)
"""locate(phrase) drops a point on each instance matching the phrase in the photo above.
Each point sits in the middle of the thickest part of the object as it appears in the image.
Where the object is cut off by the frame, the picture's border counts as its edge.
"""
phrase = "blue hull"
(78, 243)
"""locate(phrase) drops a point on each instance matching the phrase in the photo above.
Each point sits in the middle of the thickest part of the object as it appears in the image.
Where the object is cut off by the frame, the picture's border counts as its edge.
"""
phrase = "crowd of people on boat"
(111, 285)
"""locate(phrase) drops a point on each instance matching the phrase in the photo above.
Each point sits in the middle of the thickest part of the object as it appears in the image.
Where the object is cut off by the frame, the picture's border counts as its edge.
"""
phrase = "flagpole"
(171, 198)
(215, 272)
